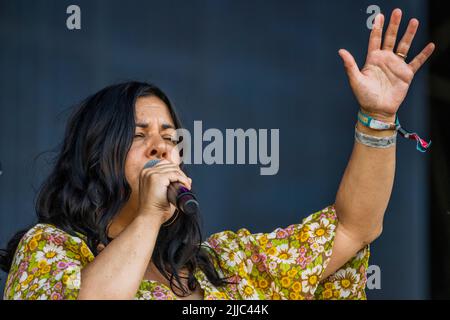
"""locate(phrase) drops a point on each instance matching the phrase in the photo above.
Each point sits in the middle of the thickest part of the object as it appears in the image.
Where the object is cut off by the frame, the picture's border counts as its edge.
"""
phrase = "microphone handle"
(182, 198)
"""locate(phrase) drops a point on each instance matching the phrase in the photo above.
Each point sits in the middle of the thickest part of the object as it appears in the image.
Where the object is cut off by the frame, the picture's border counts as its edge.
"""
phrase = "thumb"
(351, 68)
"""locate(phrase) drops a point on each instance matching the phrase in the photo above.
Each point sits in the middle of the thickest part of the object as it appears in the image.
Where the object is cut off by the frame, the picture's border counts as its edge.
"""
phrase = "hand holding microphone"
(162, 183)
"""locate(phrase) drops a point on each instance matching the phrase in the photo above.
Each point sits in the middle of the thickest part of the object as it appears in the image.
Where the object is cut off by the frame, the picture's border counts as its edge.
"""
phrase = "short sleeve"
(47, 265)
(287, 263)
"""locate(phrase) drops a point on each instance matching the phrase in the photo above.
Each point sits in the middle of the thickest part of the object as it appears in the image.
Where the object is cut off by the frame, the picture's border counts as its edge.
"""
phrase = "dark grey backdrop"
(231, 64)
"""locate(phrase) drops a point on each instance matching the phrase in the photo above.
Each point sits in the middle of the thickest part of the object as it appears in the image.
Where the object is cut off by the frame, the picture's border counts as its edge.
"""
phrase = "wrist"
(381, 116)
(150, 219)
(381, 125)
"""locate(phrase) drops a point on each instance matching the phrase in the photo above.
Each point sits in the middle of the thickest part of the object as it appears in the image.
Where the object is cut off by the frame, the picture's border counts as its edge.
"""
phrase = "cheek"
(132, 172)
(175, 155)
(177, 158)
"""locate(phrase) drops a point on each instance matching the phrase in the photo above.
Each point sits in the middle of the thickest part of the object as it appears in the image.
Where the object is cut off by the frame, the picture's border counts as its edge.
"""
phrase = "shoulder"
(52, 243)
(322, 219)
(47, 230)
(227, 238)
(47, 264)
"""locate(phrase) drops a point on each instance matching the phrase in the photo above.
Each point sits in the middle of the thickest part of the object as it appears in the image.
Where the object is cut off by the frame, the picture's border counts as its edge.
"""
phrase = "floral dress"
(286, 263)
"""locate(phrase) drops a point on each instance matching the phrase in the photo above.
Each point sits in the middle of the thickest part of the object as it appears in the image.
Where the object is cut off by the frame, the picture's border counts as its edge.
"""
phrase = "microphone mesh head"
(151, 163)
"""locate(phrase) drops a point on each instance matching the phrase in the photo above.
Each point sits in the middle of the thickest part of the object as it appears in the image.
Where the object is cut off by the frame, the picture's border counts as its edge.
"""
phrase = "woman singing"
(106, 229)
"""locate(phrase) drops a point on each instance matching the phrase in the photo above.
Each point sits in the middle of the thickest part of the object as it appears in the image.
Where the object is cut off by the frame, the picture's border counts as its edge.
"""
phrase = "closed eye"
(171, 139)
(167, 138)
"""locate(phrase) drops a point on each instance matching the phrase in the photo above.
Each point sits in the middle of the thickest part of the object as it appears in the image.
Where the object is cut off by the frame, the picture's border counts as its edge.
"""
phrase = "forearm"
(117, 271)
(366, 187)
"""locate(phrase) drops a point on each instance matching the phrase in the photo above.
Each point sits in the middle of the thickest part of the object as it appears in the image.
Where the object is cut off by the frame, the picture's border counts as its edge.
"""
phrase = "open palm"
(382, 84)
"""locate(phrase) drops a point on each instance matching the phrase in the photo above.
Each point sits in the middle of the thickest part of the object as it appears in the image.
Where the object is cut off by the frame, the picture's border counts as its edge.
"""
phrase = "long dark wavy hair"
(87, 186)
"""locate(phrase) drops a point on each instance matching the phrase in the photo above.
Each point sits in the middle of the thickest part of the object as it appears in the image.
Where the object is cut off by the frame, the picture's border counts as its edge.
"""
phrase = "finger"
(405, 43)
(351, 68)
(420, 59)
(375, 34)
(178, 177)
(165, 170)
(177, 171)
(188, 180)
(160, 165)
(391, 33)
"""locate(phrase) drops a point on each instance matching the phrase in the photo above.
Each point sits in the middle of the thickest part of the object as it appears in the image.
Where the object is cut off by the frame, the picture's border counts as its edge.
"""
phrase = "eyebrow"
(163, 126)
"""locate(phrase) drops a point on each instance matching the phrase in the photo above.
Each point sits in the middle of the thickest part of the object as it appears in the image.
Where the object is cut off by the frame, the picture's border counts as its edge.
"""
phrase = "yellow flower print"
(296, 296)
(297, 286)
(219, 295)
(322, 231)
(313, 280)
(277, 293)
(291, 273)
(310, 279)
(286, 254)
(28, 280)
(70, 247)
(233, 258)
(316, 247)
(346, 281)
(33, 287)
(85, 251)
(42, 264)
(285, 282)
(263, 283)
(247, 291)
(336, 294)
(304, 236)
(327, 294)
(272, 251)
(33, 244)
(51, 253)
(37, 236)
(328, 285)
(263, 240)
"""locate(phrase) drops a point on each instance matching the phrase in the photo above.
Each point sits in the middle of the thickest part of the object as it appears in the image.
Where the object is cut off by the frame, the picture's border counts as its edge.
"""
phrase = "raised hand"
(382, 84)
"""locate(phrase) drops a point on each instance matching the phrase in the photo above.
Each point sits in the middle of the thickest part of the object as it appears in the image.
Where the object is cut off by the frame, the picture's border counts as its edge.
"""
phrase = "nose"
(157, 148)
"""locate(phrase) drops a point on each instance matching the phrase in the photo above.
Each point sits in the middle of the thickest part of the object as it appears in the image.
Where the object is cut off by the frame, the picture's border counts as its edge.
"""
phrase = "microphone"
(179, 195)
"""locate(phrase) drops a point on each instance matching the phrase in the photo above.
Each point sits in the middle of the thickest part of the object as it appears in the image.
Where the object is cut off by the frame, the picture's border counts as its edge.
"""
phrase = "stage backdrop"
(230, 64)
